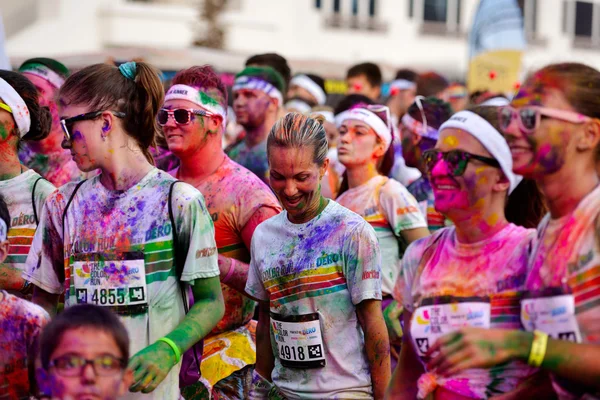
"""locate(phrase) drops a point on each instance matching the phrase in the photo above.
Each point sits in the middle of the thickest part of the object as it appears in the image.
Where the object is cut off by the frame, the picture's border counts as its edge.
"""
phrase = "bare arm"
(265, 360)
(10, 278)
(48, 301)
(238, 277)
(376, 343)
(410, 235)
(409, 368)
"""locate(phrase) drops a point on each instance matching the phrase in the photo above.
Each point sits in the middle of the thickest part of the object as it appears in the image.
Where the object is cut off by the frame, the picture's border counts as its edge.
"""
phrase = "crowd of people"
(185, 239)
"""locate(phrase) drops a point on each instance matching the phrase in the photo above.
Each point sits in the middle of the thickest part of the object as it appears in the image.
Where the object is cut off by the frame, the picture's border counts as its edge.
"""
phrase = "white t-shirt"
(563, 283)
(487, 277)
(17, 193)
(390, 209)
(323, 268)
(112, 237)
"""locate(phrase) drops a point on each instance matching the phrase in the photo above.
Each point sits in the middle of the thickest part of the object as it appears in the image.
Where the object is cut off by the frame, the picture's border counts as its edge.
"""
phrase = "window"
(529, 10)
(411, 8)
(435, 10)
(372, 8)
(318, 4)
(583, 18)
(564, 15)
(336, 6)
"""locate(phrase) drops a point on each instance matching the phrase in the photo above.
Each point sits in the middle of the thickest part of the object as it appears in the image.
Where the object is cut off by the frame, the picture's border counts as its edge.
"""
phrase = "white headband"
(402, 84)
(419, 128)
(201, 99)
(3, 230)
(44, 72)
(255, 83)
(362, 114)
(20, 112)
(496, 102)
(489, 137)
(327, 114)
(311, 86)
(298, 105)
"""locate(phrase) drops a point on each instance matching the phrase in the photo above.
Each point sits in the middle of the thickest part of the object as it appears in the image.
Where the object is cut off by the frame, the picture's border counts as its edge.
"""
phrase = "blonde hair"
(298, 130)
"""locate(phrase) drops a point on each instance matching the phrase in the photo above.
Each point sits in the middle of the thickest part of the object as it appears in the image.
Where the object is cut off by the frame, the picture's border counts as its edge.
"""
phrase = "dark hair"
(51, 63)
(41, 118)
(104, 87)
(203, 78)
(82, 316)
(275, 61)
(385, 165)
(4, 214)
(350, 101)
(481, 96)
(430, 84)
(436, 111)
(369, 70)
(407, 74)
(525, 205)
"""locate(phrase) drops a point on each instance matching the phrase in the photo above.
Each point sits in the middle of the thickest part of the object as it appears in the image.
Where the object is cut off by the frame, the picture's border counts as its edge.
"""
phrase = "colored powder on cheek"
(451, 141)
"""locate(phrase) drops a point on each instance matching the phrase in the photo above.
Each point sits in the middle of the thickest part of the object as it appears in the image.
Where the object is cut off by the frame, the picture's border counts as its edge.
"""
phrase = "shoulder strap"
(35, 214)
(64, 215)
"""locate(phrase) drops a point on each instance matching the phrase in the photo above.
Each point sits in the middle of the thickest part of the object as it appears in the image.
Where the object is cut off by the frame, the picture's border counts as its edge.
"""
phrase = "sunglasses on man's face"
(456, 160)
(528, 118)
(181, 116)
(68, 123)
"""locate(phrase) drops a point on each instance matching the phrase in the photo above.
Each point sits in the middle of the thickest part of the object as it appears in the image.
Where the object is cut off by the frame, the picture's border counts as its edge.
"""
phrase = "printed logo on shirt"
(407, 210)
(206, 252)
(327, 259)
(370, 275)
(23, 219)
(512, 282)
(156, 232)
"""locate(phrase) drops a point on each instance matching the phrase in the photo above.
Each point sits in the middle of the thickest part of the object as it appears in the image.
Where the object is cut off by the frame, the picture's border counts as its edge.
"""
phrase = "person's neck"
(360, 174)
(125, 170)
(311, 212)
(258, 134)
(52, 144)
(201, 164)
(565, 189)
(475, 227)
(10, 166)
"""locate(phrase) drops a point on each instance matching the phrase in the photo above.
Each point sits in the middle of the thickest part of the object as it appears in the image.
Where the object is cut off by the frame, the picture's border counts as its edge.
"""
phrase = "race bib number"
(430, 322)
(110, 280)
(554, 315)
(299, 340)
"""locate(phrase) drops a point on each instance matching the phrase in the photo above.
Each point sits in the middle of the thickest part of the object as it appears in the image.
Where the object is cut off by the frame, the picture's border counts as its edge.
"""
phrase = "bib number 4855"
(108, 296)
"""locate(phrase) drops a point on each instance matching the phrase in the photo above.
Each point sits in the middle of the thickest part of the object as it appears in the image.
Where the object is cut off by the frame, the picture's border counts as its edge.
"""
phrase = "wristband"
(230, 272)
(538, 349)
(173, 346)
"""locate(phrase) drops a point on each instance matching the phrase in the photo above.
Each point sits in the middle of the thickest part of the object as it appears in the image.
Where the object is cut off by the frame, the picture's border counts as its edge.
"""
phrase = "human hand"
(150, 366)
(477, 348)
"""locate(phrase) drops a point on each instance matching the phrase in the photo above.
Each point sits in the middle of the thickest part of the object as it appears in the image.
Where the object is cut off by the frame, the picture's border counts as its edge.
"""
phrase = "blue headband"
(128, 69)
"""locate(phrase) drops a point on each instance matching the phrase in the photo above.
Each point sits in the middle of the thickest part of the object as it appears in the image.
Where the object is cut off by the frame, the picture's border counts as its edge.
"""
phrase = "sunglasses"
(457, 160)
(528, 118)
(73, 365)
(67, 123)
(181, 116)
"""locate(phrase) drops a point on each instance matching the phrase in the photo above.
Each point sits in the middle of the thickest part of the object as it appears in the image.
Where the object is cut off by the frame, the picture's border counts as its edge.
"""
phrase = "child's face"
(106, 379)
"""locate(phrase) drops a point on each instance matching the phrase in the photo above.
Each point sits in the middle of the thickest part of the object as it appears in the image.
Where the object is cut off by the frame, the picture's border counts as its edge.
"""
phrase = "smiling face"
(87, 343)
(358, 144)
(185, 140)
(471, 193)
(296, 180)
(554, 143)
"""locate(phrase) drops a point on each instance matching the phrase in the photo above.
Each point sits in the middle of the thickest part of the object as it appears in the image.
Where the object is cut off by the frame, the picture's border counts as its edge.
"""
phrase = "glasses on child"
(73, 365)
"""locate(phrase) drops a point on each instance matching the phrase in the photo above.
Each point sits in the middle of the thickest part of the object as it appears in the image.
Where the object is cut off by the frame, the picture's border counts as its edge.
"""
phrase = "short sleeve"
(45, 261)
(362, 263)
(254, 284)
(401, 209)
(409, 267)
(196, 234)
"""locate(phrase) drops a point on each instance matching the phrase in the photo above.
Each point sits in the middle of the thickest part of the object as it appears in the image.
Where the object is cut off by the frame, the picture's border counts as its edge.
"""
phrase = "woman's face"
(358, 144)
(553, 143)
(83, 383)
(471, 192)
(296, 180)
(88, 148)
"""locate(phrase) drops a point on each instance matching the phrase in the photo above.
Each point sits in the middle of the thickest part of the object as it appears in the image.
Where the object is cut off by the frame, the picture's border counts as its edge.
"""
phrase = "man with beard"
(257, 97)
